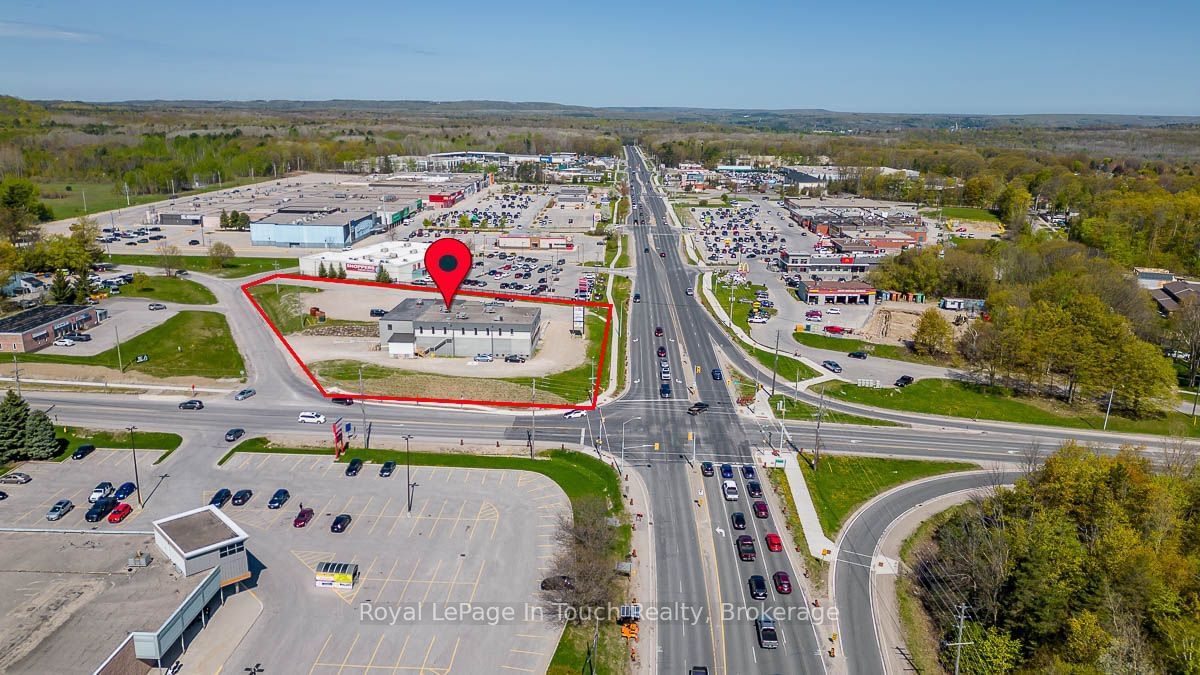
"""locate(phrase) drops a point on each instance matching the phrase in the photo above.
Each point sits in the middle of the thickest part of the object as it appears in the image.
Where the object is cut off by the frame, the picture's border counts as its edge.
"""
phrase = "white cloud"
(35, 31)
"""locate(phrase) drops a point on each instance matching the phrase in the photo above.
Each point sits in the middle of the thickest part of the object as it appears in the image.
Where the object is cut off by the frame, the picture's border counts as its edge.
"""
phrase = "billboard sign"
(577, 320)
(360, 267)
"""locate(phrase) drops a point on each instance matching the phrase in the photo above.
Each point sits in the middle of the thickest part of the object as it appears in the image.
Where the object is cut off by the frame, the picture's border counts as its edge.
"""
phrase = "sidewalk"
(226, 628)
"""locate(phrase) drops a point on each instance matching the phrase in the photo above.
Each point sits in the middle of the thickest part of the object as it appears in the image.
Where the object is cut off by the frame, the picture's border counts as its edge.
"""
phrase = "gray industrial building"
(420, 327)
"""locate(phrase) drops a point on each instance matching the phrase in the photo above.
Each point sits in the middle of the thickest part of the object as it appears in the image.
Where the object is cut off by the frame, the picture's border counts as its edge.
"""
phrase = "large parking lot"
(474, 538)
(492, 209)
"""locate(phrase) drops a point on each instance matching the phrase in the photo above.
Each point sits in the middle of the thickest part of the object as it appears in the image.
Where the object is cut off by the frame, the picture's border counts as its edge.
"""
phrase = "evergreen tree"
(382, 276)
(321, 271)
(224, 219)
(341, 273)
(61, 291)
(40, 441)
(13, 413)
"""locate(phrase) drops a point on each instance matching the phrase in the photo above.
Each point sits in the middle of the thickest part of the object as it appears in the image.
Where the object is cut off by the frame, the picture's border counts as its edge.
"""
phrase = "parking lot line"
(315, 463)
(526, 651)
(321, 653)
(360, 515)
(380, 516)
(453, 580)
(371, 663)
(433, 580)
(478, 577)
(403, 648)
(524, 670)
(457, 518)
(407, 582)
(428, 651)
(417, 520)
(350, 651)
(437, 519)
(386, 580)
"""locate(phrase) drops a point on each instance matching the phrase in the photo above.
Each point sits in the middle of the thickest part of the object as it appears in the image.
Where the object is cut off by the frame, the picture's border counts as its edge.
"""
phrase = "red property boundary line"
(412, 287)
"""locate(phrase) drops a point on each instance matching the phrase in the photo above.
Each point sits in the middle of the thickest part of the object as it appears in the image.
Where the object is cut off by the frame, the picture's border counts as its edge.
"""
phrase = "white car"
(310, 418)
(484, 358)
(833, 310)
(64, 342)
(574, 414)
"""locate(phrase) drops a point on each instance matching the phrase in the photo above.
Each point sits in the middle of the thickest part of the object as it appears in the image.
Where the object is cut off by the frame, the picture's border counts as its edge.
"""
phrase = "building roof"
(1165, 302)
(838, 287)
(402, 338)
(38, 317)
(464, 314)
(199, 530)
(391, 252)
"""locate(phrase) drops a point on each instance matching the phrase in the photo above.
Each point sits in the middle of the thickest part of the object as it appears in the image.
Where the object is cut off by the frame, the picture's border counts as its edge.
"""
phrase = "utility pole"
(817, 440)
(958, 645)
(1108, 409)
(120, 362)
(84, 201)
(533, 421)
(362, 403)
(137, 484)
(17, 373)
(775, 365)
(408, 470)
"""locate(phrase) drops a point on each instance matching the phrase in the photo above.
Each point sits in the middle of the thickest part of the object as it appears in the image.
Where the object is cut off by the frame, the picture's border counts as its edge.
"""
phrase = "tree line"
(25, 434)
(1089, 564)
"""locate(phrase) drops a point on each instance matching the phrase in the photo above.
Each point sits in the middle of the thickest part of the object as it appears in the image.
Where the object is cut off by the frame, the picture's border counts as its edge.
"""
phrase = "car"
(242, 496)
(664, 391)
(730, 490)
(354, 467)
(758, 587)
(727, 471)
(193, 242)
(774, 543)
(244, 394)
(690, 291)
(83, 451)
(637, 297)
(302, 518)
(768, 634)
(340, 523)
(833, 310)
(706, 469)
(101, 491)
(783, 583)
(279, 499)
(101, 508)
(309, 417)
(514, 358)
(760, 509)
(61, 508)
(483, 358)
(119, 512)
(904, 381)
(753, 488)
(127, 488)
(716, 374)
(341, 400)
(155, 306)
(15, 478)
(662, 254)
(658, 331)
(64, 342)
(738, 519)
(745, 548)
(857, 355)
(387, 468)
(697, 408)
(220, 497)
(645, 249)
(574, 414)
(192, 404)
(557, 583)
(234, 434)
(748, 472)
(662, 351)
(376, 313)
(831, 366)
(79, 337)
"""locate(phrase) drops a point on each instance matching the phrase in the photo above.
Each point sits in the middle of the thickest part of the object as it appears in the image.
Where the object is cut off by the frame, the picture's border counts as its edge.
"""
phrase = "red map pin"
(448, 261)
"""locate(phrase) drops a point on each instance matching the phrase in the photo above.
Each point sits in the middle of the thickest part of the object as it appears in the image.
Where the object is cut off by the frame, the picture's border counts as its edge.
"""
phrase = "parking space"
(750, 232)
(127, 317)
(493, 208)
(27, 504)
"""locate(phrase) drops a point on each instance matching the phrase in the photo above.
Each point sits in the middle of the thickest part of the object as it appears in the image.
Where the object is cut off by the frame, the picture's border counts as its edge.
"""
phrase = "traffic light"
(689, 436)
(655, 445)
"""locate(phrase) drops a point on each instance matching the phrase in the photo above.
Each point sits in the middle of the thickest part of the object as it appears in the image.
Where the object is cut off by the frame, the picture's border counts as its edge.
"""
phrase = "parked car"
(340, 523)
(218, 500)
(760, 510)
(120, 512)
(706, 468)
(127, 488)
(244, 394)
(341, 400)
(302, 518)
(101, 491)
(387, 468)
(15, 478)
(64, 342)
(514, 358)
(574, 414)
(192, 404)
(101, 508)
(155, 306)
(376, 313)
(904, 381)
(745, 548)
(483, 358)
(242, 496)
(79, 337)
(783, 583)
(832, 366)
(308, 417)
(354, 467)
(234, 434)
(857, 355)
(278, 499)
(193, 242)
(61, 508)
(774, 543)
(738, 519)
(758, 587)
(83, 451)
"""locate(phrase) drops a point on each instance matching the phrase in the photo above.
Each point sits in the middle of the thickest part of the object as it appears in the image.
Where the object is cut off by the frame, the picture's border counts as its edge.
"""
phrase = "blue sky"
(1019, 56)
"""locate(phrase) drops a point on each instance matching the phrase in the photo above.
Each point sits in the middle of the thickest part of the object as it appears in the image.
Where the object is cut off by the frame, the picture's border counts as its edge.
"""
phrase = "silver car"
(244, 394)
(15, 478)
(61, 508)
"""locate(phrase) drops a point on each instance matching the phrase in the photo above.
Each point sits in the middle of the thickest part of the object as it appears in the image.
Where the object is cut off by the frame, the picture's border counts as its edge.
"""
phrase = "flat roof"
(199, 529)
(38, 316)
(73, 599)
(464, 313)
(838, 287)
(392, 252)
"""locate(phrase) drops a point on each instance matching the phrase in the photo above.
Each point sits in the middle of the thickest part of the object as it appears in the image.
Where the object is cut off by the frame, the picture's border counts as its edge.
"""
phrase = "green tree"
(61, 290)
(1014, 203)
(341, 273)
(243, 220)
(989, 651)
(219, 254)
(169, 259)
(321, 271)
(934, 335)
(224, 222)
(141, 281)
(382, 275)
(40, 440)
(21, 210)
(13, 413)
(84, 233)
(464, 220)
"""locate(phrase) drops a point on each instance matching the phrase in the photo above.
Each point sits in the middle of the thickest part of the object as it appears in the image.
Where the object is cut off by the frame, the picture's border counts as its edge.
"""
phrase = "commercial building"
(441, 190)
(841, 264)
(299, 228)
(524, 240)
(35, 328)
(835, 292)
(202, 539)
(573, 195)
(404, 261)
(420, 327)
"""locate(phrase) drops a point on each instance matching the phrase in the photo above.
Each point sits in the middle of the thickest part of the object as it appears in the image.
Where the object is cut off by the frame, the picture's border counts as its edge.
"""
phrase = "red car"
(760, 510)
(783, 583)
(120, 512)
(658, 331)
(835, 330)
(662, 254)
(303, 517)
(774, 543)
(662, 351)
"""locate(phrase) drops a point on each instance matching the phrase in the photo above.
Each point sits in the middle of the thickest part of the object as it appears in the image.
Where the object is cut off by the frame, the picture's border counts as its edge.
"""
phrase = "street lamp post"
(623, 436)
(408, 469)
(137, 483)
(362, 403)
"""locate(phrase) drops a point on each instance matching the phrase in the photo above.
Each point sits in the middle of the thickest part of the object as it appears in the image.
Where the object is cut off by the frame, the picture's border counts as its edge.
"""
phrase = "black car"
(340, 523)
(387, 469)
(101, 508)
(218, 500)
(738, 519)
(242, 496)
(354, 467)
(514, 358)
(748, 472)
(342, 400)
(83, 451)
(697, 408)
(664, 391)
(637, 297)
(758, 587)
(857, 355)
(278, 499)
(234, 434)
(754, 488)
(904, 381)
(716, 374)
(706, 468)
(192, 404)
(375, 313)
(558, 583)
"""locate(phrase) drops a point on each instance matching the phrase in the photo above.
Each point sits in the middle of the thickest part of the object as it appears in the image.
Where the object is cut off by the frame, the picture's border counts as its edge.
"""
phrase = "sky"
(918, 56)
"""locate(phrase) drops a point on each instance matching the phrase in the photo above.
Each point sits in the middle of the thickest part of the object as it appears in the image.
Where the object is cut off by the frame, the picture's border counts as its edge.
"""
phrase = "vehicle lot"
(27, 504)
(748, 232)
(130, 316)
(493, 209)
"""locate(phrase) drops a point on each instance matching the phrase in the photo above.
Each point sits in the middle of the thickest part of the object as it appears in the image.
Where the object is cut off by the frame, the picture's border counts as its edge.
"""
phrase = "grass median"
(232, 269)
(790, 409)
(70, 438)
(170, 289)
(191, 343)
(788, 369)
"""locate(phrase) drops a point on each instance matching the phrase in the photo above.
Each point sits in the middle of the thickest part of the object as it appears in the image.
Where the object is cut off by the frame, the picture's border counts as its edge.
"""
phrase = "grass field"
(171, 289)
(234, 267)
(963, 399)
(847, 345)
(384, 381)
(284, 304)
(790, 409)
(623, 259)
(191, 343)
(816, 567)
(105, 196)
(70, 438)
(842, 483)
(966, 213)
(616, 354)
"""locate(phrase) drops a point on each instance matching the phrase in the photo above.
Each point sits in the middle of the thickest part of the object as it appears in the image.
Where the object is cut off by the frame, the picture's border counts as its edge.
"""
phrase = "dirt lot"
(896, 322)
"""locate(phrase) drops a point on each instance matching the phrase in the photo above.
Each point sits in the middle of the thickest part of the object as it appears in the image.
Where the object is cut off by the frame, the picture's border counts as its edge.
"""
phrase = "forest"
(1089, 564)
